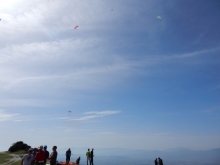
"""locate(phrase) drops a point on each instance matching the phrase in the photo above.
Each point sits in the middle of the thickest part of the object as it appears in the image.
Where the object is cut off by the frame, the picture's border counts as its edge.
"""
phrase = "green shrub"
(19, 146)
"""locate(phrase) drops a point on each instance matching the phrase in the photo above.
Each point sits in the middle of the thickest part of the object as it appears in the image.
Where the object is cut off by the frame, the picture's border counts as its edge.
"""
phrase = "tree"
(19, 146)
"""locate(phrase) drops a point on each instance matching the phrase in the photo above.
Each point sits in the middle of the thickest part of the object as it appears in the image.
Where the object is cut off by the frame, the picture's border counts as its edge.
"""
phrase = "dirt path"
(15, 158)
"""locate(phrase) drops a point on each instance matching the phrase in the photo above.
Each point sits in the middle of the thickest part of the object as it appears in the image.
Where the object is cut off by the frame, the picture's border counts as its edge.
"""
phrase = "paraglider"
(69, 112)
(106, 65)
(159, 17)
(76, 27)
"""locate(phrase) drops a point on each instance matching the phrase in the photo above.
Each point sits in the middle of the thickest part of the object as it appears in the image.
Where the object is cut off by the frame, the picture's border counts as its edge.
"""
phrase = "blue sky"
(129, 79)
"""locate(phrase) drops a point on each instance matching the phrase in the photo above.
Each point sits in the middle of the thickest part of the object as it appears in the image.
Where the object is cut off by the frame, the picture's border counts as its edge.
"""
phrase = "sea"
(127, 160)
(106, 160)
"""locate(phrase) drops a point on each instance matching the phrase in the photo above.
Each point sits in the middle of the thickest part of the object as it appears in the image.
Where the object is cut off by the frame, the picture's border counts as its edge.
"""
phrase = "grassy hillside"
(6, 156)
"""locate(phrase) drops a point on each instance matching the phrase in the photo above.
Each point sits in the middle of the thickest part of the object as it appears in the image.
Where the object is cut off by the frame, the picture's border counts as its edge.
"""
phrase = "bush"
(19, 146)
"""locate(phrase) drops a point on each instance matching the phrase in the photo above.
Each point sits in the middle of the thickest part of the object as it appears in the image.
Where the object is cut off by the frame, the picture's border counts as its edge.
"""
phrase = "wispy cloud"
(96, 114)
(102, 113)
(106, 133)
(27, 102)
(182, 56)
(4, 116)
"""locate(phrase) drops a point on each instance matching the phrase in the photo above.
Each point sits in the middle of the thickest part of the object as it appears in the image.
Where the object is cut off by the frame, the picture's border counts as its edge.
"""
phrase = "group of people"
(68, 155)
(39, 156)
(89, 156)
(158, 161)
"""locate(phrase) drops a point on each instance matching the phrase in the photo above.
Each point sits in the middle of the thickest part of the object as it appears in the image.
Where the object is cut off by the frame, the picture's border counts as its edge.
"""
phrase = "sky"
(130, 79)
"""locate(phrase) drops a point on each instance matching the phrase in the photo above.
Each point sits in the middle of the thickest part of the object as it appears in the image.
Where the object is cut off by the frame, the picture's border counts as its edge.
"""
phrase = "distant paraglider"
(106, 65)
(159, 17)
(69, 112)
(76, 27)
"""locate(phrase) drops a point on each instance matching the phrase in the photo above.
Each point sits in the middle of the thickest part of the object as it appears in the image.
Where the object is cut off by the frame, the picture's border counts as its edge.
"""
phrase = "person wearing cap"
(40, 156)
(88, 154)
(46, 154)
(28, 159)
(53, 156)
(91, 157)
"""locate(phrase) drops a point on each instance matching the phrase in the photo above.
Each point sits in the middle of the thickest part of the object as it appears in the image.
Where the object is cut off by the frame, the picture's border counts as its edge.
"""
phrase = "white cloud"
(4, 116)
(28, 102)
(93, 115)
(103, 113)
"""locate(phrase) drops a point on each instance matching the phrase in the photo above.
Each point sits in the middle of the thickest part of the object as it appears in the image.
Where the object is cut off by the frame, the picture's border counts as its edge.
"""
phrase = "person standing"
(78, 160)
(53, 156)
(91, 157)
(34, 151)
(28, 159)
(40, 156)
(155, 162)
(88, 156)
(68, 154)
(160, 161)
(46, 154)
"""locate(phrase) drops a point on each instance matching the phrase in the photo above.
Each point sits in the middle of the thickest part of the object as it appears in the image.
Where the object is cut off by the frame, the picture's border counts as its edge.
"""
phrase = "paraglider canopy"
(159, 17)
(76, 27)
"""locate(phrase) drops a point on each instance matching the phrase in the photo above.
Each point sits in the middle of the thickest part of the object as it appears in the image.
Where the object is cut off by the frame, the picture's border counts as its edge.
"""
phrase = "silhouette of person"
(155, 162)
(91, 157)
(47, 154)
(160, 161)
(53, 156)
(68, 154)
(78, 160)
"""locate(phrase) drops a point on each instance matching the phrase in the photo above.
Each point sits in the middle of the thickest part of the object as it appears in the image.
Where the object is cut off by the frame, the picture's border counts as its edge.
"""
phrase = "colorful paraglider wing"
(76, 27)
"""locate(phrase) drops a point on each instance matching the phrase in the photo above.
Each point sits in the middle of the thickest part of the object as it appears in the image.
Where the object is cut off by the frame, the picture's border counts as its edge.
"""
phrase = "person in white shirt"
(28, 159)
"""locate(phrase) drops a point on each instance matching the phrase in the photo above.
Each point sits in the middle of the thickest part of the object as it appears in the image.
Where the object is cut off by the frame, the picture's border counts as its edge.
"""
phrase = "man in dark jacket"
(46, 154)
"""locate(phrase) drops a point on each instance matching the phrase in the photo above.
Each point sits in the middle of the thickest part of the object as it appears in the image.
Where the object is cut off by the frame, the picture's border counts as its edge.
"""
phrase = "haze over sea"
(119, 156)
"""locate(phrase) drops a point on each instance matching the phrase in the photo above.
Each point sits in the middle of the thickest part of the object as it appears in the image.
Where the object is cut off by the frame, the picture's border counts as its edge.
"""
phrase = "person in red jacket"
(40, 156)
